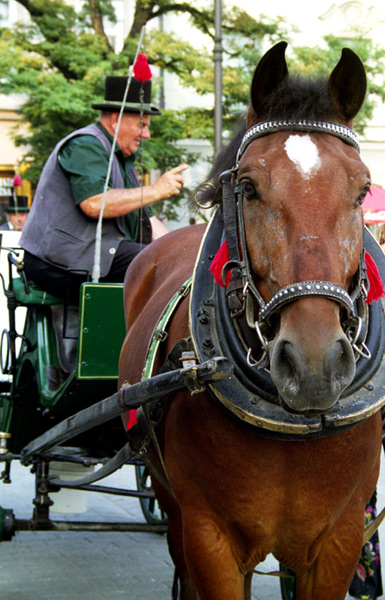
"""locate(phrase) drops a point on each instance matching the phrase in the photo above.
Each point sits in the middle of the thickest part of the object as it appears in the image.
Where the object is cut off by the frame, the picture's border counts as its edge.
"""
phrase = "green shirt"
(85, 161)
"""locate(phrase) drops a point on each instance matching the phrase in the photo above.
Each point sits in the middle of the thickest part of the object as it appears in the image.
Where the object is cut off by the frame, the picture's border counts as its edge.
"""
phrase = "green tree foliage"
(61, 57)
(59, 61)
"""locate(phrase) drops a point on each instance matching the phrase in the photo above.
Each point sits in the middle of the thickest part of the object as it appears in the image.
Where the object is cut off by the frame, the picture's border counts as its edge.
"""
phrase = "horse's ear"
(270, 71)
(347, 85)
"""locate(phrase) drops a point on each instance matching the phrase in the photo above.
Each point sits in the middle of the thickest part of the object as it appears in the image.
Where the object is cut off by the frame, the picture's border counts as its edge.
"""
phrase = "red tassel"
(217, 264)
(376, 288)
(141, 69)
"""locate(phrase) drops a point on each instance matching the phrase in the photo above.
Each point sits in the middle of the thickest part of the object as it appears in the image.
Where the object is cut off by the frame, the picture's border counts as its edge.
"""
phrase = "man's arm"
(121, 202)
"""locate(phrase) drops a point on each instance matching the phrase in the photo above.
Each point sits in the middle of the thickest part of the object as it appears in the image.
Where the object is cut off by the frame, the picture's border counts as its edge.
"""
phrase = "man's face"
(17, 219)
(131, 131)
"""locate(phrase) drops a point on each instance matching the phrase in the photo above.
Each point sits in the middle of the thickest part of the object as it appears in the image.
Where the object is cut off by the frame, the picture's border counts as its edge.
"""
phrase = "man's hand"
(170, 183)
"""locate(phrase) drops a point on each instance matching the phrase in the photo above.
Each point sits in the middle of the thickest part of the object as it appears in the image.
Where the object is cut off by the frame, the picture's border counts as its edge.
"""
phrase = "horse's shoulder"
(178, 245)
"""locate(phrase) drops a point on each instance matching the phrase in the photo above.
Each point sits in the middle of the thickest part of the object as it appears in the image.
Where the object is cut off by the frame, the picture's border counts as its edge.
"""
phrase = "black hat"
(20, 205)
(115, 87)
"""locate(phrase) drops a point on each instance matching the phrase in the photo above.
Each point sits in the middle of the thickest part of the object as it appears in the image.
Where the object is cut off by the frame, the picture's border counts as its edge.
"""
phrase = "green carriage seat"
(57, 349)
(35, 295)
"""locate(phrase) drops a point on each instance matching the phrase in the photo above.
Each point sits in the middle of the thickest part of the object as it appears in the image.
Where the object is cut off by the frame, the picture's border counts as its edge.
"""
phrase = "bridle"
(242, 293)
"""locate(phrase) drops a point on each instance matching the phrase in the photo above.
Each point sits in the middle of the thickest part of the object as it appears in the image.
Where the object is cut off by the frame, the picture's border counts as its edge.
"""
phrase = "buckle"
(161, 335)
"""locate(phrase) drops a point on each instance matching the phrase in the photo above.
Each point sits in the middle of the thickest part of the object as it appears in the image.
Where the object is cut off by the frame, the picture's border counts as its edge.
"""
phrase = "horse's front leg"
(210, 558)
(183, 586)
(331, 573)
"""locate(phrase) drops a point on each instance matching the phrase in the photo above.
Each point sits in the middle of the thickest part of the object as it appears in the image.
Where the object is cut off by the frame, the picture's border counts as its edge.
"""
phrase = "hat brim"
(129, 107)
(12, 209)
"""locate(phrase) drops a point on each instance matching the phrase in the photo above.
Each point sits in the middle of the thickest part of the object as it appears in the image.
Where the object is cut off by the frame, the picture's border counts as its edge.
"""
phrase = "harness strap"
(162, 477)
(160, 334)
(230, 220)
(261, 129)
(121, 458)
(275, 573)
(374, 525)
(235, 264)
(304, 289)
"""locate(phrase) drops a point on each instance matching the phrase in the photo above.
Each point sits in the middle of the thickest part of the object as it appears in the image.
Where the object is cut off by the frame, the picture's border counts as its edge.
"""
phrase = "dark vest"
(57, 231)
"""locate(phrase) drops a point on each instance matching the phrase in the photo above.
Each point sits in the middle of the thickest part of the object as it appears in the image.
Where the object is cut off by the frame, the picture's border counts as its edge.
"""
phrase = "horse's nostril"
(286, 363)
(341, 363)
(288, 358)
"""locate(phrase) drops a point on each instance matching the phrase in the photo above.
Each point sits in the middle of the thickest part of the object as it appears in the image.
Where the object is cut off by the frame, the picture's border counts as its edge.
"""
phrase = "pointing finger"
(179, 169)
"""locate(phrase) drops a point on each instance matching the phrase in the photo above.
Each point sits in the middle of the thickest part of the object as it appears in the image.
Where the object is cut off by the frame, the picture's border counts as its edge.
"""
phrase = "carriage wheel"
(7, 524)
(287, 586)
(150, 507)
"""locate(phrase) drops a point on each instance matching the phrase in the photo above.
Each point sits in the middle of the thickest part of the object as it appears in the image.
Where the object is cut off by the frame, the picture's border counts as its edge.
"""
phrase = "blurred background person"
(16, 213)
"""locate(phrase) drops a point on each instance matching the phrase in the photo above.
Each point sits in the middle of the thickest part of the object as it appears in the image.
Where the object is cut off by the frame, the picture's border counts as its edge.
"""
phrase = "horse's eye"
(362, 196)
(249, 190)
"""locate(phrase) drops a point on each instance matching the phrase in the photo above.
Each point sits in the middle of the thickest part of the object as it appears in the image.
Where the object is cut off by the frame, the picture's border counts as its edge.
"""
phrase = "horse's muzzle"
(308, 381)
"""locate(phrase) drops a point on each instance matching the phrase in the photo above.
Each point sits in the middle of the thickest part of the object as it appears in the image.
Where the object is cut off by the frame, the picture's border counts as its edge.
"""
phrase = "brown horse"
(239, 494)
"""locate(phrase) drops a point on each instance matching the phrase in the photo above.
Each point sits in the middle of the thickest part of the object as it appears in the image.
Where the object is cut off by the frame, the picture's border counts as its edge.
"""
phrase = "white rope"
(98, 237)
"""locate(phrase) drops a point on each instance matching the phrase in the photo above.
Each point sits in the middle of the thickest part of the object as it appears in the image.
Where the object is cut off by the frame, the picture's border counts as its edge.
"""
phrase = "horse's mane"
(205, 191)
(297, 98)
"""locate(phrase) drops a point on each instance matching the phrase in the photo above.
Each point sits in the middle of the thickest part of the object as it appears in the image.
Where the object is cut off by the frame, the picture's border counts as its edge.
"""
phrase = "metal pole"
(218, 78)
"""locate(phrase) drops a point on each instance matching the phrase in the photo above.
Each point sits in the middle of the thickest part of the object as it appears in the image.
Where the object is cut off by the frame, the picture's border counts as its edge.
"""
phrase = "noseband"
(242, 290)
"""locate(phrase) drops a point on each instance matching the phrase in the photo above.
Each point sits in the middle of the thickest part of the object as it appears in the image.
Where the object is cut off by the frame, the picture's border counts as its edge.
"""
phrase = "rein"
(242, 290)
(99, 227)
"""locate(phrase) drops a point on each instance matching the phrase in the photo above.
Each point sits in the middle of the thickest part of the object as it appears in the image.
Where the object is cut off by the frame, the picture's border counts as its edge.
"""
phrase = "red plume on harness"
(141, 68)
(376, 289)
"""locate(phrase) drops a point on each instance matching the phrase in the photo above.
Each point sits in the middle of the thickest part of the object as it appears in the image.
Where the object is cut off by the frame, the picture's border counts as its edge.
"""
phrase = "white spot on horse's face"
(308, 238)
(303, 152)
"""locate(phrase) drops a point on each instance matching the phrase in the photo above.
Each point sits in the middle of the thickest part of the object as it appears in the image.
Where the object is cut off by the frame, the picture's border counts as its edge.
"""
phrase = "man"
(61, 229)
(16, 213)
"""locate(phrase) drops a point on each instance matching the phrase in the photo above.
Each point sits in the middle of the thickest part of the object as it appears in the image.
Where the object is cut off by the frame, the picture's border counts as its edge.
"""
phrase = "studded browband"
(261, 129)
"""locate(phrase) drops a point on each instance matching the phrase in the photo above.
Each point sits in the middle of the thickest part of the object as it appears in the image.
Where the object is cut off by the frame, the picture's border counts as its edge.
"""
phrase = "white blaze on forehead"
(303, 152)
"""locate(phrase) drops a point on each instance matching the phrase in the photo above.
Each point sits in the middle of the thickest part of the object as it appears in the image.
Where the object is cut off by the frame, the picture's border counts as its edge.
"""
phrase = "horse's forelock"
(299, 98)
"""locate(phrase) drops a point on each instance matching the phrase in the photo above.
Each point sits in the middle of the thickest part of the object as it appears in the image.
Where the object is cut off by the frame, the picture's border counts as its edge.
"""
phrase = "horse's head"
(302, 182)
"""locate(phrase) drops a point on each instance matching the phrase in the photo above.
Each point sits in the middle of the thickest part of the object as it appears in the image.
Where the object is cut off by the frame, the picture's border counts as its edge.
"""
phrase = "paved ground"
(97, 566)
